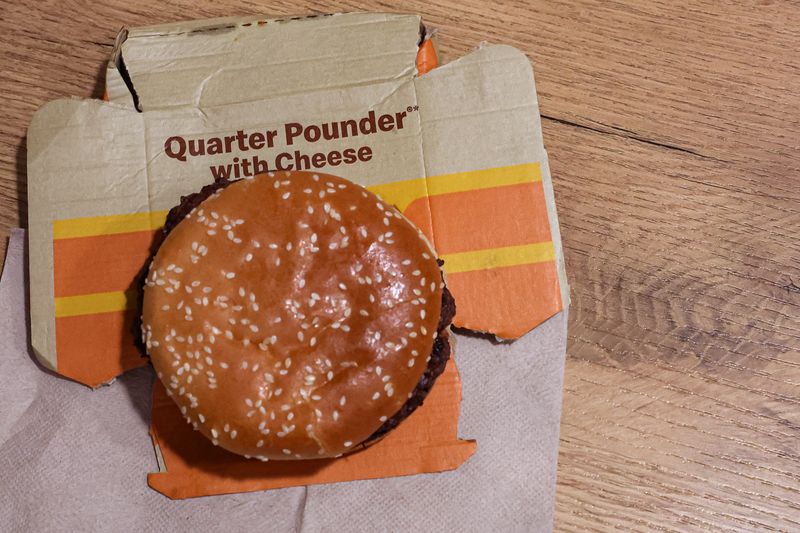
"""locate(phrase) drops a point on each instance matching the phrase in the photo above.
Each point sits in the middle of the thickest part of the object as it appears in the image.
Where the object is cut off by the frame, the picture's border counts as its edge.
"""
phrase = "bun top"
(291, 314)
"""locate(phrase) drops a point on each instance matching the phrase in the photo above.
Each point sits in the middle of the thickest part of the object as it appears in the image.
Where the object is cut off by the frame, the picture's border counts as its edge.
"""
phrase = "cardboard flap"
(84, 157)
(222, 61)
(481, 112)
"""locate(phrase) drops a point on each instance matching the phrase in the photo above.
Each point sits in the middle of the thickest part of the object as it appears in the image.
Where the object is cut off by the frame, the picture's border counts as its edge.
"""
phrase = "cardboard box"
(458, 150)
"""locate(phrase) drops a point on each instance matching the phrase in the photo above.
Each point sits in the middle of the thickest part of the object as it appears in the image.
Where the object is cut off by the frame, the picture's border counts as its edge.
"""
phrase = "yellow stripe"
(106, 302)
(499, 257)
(99, 302)
(108, 225)
(399, 193)
(402, 193)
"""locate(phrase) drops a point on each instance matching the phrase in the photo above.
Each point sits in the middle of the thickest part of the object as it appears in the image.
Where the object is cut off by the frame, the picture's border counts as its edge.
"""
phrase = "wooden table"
(674, 140)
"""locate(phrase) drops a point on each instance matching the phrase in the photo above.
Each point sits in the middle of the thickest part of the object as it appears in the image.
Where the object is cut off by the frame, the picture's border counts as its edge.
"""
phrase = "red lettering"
(293, 129)
(259, 166)
(349, 156)
(318, 160)
(240, 137)
(257, 140)
(301, 161)
(364, 153)
(312, 134)
(271, 134)
(399, 119)
(386, 122)
(334, 158)
(246, 167)
(280, 159)
(367, 124)
(229, 140)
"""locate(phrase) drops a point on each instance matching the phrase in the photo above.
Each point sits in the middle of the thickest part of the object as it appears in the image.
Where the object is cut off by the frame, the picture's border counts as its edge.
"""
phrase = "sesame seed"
(376, 395)
(347, 444)
(383, 419)
(342, 400)
(335, 415)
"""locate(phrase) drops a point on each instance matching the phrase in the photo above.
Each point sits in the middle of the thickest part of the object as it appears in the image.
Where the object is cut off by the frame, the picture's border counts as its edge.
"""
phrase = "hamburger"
(294, 315)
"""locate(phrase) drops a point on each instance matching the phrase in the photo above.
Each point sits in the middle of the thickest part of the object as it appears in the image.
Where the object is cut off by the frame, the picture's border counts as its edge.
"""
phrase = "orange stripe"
(417, 212)
(426, 57)
(488, 218)
(499, 300)
(102, 263)
(93, 349)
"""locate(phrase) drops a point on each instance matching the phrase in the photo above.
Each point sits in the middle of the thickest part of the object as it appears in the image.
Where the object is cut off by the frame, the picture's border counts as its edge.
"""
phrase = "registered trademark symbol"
(409, 109)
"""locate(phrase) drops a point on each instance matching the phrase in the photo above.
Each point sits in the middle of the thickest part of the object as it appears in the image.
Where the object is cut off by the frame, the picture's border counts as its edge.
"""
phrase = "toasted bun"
(290, 315)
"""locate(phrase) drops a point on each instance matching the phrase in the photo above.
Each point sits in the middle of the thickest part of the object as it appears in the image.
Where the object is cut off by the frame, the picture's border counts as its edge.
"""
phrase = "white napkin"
(73, 459)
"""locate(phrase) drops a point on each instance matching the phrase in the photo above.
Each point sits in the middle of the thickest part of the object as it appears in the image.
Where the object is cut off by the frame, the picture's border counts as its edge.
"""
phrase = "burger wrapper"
(457, 148)
(73, 459)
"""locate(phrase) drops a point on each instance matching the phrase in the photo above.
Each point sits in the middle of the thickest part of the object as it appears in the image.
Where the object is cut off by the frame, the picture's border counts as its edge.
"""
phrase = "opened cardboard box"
(456, 148)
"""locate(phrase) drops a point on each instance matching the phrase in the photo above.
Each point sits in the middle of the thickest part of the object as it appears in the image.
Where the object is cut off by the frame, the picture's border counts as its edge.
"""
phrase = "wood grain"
(673, 131)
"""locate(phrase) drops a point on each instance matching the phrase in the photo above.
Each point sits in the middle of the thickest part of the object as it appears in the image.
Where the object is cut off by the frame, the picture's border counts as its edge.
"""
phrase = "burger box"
(457, 148)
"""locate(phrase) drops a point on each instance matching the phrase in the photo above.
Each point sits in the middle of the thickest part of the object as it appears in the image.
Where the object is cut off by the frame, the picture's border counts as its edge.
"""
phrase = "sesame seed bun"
(295, 316)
